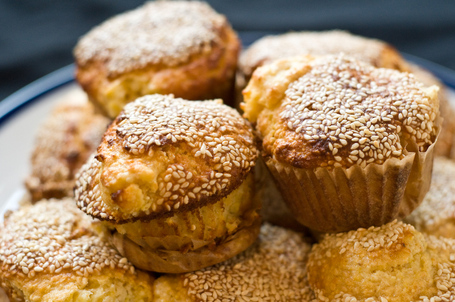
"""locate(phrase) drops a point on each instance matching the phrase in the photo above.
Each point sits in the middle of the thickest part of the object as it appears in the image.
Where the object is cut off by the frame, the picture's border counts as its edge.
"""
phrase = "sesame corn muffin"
(393, 262)
(436, 214)
(375, 52)
(63, 143)
(172, 180)
(349, 145)
(273, 269)
(49, 253)
(179, 47)
(332, 42)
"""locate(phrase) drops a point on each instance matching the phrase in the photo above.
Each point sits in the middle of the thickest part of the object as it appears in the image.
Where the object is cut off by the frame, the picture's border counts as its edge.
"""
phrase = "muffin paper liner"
(274, 209)
(171, 261)
(341, 199)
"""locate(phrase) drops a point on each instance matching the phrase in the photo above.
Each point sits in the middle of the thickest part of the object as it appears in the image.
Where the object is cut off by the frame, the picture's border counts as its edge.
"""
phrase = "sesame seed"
(152, 30)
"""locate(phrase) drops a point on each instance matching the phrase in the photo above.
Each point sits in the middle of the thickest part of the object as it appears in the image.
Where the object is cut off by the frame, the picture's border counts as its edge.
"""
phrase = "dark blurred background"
(37, 36)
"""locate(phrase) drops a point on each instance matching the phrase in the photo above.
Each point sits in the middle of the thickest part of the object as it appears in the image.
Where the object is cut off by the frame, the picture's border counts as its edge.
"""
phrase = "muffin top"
(50, 252)
(271, 48)
(161, 33)
(436, 214)
(56, 229)
(62, 145)
(393, 262)
(273, 269)
(163, 155)
(335, 111)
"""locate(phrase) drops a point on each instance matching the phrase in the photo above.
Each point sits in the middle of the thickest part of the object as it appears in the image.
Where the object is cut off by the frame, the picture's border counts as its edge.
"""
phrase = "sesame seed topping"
(54, 237)
(359, 107)
(161, 32)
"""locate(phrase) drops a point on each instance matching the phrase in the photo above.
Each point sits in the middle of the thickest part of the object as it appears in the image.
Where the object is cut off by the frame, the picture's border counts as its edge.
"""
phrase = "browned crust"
(206, 74)
(165, 261)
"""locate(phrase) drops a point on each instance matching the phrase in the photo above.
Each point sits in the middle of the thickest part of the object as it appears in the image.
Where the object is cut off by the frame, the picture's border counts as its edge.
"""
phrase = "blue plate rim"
(33, 91)
(63, 76)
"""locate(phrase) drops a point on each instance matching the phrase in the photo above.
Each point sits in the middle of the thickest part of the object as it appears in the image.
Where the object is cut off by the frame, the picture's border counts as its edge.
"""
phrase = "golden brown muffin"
(48, 252)
(63, 143)
(271, 48)
(375, 52)
(393, 262)
(172, 179)
(178, 47)
(436, 214)
(273, 269)
(349, 145)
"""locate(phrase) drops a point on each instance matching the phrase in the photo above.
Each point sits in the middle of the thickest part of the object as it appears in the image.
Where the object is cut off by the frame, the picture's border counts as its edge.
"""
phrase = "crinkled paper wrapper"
(343, 199)
(149, 253)
(274, 209)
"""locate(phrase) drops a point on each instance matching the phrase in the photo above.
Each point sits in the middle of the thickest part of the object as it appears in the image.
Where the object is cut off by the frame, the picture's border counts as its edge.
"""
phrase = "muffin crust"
(63, 143)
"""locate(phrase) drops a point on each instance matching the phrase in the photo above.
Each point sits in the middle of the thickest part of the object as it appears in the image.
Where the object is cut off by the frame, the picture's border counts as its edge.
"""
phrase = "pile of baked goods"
(320, 186)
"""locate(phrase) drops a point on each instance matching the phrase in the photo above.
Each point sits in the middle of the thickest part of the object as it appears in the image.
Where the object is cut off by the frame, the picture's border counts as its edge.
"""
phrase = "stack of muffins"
(336, 140)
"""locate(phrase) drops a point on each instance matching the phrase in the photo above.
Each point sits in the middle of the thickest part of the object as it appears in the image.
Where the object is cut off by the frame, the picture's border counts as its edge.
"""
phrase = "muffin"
(172, 180)
(436, 214)
(348, 144)
(273, 269)
(393, 262)
(48, 252)
(179, 47)
(63, 143)
(332, 42)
